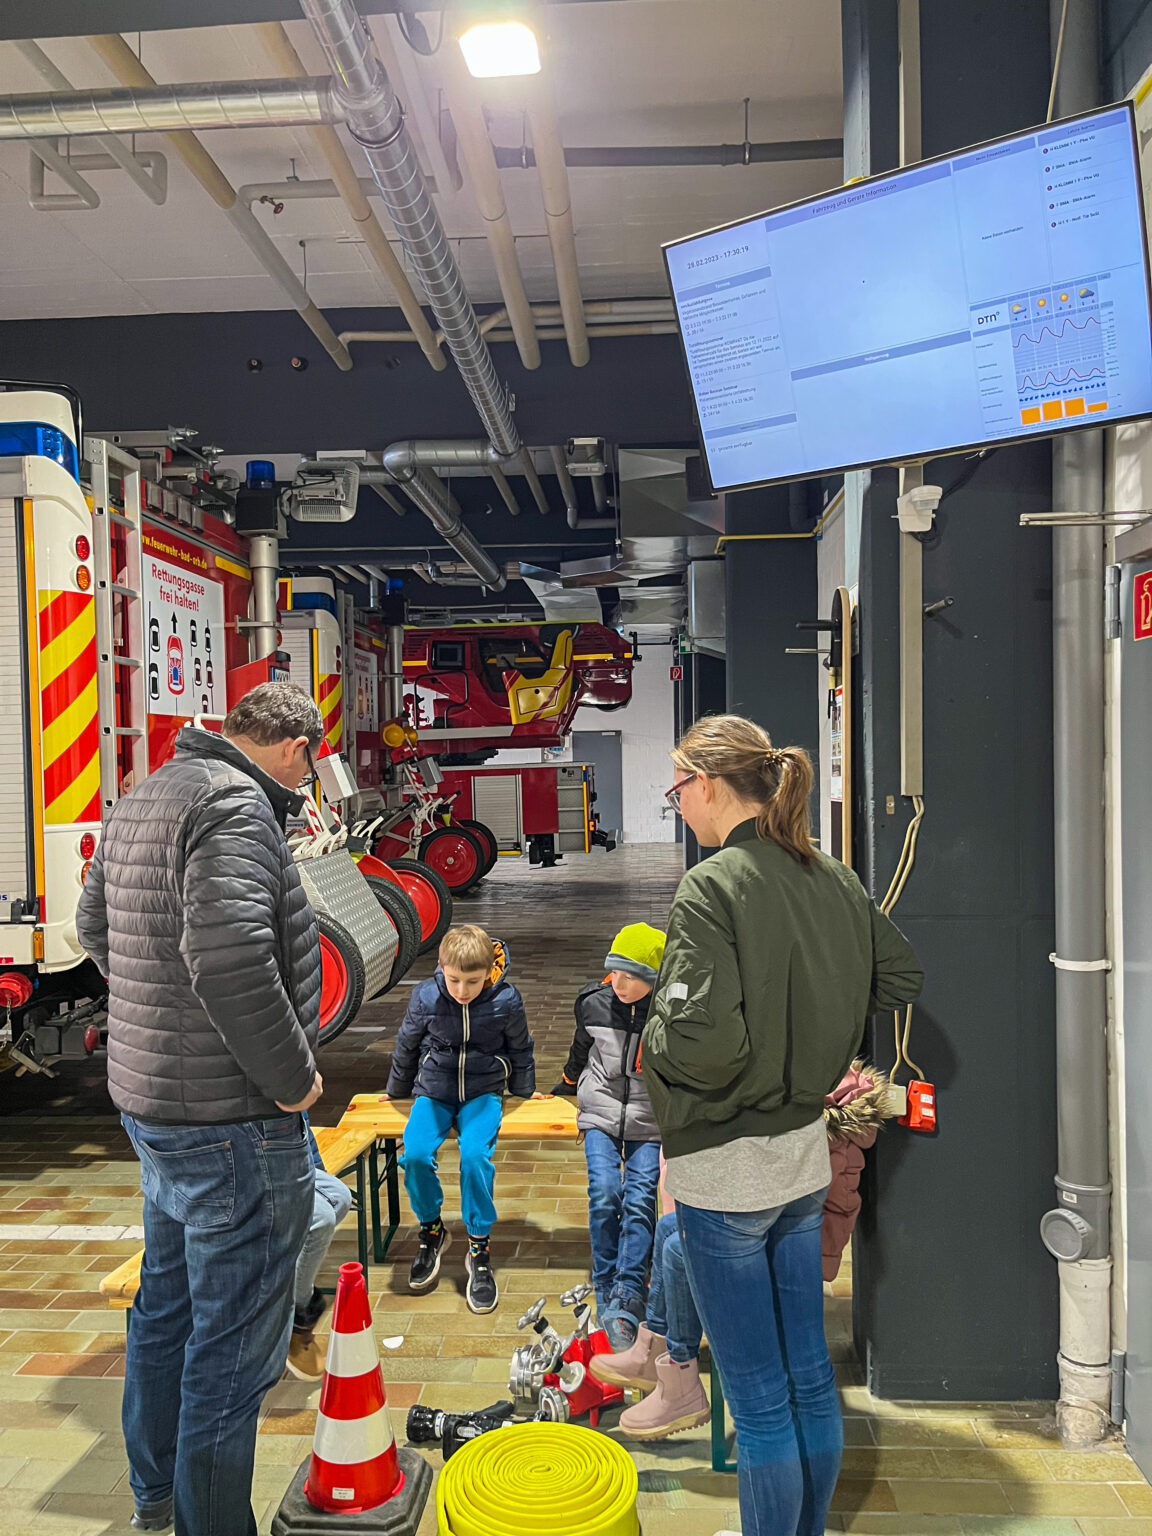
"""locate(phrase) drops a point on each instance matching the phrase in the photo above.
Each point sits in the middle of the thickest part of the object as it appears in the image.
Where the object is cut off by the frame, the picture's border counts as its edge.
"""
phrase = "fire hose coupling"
(1079, 1226)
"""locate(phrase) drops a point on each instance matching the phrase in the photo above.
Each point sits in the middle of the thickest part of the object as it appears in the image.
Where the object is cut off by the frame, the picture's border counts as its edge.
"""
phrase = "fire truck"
(124, 616)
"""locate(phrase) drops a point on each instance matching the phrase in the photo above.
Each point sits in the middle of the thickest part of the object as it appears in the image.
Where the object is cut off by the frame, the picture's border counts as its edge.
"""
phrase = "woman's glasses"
(673, 795)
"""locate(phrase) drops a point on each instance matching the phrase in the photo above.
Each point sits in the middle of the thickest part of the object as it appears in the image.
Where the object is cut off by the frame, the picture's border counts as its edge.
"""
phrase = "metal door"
(1135, 807)
(602, 749)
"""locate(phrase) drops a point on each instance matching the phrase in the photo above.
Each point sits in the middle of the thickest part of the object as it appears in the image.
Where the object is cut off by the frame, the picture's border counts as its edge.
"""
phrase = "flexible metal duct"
(376, 120)
(163, 108)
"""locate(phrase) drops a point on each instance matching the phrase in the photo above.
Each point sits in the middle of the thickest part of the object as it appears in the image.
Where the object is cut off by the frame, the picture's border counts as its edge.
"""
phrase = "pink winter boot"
(634, 1367)
(679, 1402)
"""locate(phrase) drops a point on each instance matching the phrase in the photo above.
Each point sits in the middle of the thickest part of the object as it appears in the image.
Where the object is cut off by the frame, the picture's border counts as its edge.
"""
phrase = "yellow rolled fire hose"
(534, 1478)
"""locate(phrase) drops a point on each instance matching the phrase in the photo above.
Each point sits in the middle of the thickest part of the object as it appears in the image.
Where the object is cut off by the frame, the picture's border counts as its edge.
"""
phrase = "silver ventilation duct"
(439, 506)
(376, 121)
(168, 108)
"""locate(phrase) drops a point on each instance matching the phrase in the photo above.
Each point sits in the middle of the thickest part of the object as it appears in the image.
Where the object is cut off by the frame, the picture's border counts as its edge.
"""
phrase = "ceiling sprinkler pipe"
(627, 155)
(571, 501)
(376, 120)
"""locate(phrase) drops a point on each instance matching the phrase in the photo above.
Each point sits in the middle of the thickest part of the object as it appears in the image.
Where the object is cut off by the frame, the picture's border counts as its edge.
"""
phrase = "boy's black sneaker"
(481, 1294)
(434, 1240)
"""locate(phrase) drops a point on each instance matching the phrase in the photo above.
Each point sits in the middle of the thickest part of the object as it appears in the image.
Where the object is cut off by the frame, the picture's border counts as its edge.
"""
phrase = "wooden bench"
(343, 1149)
(548, 1119)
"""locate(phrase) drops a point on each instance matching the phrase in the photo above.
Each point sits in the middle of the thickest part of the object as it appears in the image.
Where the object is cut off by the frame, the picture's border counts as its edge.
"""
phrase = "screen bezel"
(865, 181)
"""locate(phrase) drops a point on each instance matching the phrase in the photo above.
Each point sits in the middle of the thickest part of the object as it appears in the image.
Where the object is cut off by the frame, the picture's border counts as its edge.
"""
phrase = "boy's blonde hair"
(467, 948)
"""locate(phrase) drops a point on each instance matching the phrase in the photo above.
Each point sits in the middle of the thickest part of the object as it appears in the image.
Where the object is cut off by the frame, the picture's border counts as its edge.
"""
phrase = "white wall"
(646, 730)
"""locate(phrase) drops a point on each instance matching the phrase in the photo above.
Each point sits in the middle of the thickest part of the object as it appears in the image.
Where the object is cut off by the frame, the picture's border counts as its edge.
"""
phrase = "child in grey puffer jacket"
(621, 1138)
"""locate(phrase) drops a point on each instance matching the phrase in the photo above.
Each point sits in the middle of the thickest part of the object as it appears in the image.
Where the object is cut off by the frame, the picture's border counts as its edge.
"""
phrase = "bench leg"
(362, 1212)
(383, 1241)
(720, 1462)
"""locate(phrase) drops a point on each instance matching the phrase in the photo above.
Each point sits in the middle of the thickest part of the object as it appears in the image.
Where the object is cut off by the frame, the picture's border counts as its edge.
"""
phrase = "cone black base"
(400, 1516)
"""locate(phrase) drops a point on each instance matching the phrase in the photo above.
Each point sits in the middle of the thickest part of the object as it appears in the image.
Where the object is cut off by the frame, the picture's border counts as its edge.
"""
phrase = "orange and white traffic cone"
(355, 1469)
(354, 1465)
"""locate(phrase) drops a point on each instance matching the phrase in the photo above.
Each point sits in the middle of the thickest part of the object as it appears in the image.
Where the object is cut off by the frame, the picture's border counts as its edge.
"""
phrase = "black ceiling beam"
(78, 18)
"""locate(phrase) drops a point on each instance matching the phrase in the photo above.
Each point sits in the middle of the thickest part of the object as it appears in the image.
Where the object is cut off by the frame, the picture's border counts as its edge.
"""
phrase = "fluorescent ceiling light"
(500, 48)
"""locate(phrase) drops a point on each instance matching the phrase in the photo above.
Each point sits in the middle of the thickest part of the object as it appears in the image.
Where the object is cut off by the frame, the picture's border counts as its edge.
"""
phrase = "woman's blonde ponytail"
(779, 779)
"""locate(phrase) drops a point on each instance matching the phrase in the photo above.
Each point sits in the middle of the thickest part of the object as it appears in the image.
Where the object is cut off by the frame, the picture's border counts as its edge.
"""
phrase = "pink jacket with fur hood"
(853, 1112)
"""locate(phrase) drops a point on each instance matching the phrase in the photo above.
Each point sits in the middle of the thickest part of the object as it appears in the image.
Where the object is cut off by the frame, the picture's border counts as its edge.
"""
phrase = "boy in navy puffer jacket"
(463, 1044)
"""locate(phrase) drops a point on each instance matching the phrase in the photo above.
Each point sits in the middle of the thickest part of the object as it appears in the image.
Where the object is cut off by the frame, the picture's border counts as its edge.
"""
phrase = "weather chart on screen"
(996, 294)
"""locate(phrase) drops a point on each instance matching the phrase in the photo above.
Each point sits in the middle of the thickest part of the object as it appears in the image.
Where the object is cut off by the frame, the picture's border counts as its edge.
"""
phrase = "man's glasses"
(673, 795)
(310, 777)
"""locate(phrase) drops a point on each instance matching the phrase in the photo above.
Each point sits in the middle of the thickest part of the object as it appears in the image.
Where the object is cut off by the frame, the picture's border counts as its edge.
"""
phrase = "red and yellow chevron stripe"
(71, 742)
(331, 708)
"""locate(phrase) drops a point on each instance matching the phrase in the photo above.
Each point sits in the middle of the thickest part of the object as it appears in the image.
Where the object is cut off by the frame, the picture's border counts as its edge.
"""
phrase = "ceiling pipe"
(558, 214)
(124, 64)
(642, 314)
(509, 157)
(439, 506)
(472, 136)
(528, 469)
(500, 481)
(153, 186)
(376, 120)
(166, 108)
(600, 492)
(327, 140)
(605, 332)
(571, 500)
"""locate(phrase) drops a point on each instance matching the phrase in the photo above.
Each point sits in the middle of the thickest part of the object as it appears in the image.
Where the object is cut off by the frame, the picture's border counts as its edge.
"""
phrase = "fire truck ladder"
(117, 550)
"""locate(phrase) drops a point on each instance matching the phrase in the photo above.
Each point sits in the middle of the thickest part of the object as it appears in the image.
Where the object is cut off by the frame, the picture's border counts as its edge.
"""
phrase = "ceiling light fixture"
(492, 49)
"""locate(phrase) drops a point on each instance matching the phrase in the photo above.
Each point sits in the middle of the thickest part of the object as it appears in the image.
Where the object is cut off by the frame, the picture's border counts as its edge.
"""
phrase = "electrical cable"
(895, 891)
(1056, 62)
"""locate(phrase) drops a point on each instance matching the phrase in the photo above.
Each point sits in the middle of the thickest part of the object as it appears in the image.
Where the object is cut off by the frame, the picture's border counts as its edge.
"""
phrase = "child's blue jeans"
(622, 1180)
(330, 1204)
(671, 1310)
(477, 1125)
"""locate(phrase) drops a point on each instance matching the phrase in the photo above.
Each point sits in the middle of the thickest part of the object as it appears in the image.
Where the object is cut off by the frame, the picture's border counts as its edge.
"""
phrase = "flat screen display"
(983, 297)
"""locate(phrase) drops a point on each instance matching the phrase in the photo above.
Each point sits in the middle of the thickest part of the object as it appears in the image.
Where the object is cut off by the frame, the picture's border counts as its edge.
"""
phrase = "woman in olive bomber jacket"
(775, 958)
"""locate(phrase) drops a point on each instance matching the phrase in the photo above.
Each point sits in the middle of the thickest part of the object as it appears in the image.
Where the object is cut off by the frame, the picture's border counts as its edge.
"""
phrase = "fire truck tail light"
(84, 868)
(83, 547)
(83, 578)
(38, 943)
(87, 845)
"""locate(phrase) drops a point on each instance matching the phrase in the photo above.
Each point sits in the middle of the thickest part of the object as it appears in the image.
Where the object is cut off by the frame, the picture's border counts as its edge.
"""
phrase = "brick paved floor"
(67, 1176)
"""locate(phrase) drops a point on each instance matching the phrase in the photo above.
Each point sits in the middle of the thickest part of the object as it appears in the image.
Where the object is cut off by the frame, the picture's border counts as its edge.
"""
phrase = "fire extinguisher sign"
(1142, 606)
(184, 646)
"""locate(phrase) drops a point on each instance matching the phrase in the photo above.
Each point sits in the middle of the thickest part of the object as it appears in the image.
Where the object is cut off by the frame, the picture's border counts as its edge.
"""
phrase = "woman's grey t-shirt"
(753, 1173)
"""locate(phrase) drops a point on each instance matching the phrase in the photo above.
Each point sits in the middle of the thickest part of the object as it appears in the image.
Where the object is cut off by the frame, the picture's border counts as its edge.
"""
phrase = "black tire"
(433, 878)
(475, 854)
(341, 1009)
(396, 904)
(486, 838)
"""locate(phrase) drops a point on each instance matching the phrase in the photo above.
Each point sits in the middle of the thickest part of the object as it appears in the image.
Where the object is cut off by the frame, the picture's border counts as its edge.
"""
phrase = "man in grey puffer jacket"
(194, 911)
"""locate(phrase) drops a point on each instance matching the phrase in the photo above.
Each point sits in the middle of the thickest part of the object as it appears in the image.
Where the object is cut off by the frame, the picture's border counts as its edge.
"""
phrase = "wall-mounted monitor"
(982, 298)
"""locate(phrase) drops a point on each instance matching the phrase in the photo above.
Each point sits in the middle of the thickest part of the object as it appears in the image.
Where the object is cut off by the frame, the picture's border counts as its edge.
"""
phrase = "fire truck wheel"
(431, 897)
(398, 905)
(456, 855)
(487, 840)
(341, 978)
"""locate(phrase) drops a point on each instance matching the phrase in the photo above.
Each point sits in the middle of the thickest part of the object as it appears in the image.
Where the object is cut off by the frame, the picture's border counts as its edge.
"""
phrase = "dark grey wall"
(955, 1296)
(152, 370)
(770, 586)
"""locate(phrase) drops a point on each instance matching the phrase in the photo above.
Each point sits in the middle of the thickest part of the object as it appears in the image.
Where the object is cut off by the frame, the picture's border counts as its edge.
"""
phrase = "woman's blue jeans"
(226, 1208)
(622, 1180)
(757, 1282)
(671, 1310)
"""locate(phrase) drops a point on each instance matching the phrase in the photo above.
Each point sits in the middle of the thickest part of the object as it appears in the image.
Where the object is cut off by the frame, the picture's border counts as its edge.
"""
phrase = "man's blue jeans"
(671, 1310)
(622, 1180)
(226, 1208)
(758, 1288)
(477, 1123)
